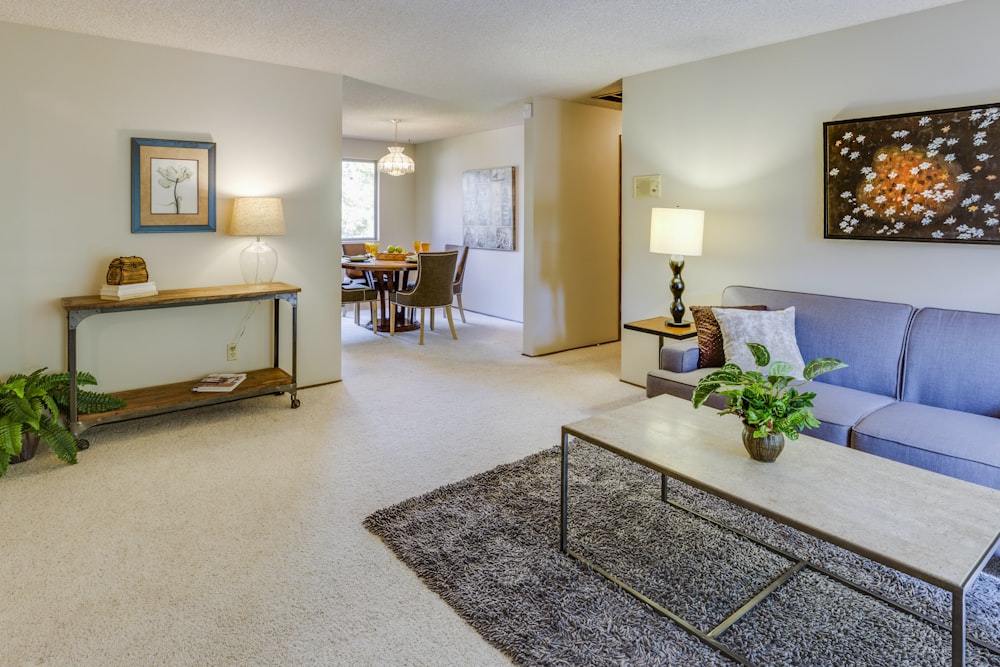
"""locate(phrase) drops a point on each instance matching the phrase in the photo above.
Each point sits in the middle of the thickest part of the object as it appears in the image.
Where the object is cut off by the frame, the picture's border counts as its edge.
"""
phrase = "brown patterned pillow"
(710, 350)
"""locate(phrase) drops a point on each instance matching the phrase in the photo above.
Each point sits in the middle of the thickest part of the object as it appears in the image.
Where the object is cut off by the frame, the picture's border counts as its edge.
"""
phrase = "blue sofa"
(919, 388)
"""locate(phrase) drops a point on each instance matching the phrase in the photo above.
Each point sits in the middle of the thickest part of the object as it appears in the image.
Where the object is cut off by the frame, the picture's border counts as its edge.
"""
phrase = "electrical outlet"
(231, 354)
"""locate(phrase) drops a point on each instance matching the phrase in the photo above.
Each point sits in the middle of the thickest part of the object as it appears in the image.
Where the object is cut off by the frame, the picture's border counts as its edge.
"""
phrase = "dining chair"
(350, 250)
(435, 277)
(358, 294)
(456, 288)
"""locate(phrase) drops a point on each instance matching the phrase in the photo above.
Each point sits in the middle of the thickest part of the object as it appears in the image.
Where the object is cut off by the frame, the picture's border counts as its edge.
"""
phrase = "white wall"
(740, 136)
(71, 103)
(397, 217)
(494, 279)
(571, 226)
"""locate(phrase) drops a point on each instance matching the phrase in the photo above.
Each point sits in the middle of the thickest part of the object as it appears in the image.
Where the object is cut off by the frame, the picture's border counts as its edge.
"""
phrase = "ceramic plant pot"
(762, 449)
(29, 445)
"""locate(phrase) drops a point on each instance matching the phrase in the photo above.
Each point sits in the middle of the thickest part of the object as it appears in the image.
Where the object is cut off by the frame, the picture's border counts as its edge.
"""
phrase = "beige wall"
(571, 226)
(397, 217)
(71, 103)
(740, 136)
(494, 279)
(566, 160)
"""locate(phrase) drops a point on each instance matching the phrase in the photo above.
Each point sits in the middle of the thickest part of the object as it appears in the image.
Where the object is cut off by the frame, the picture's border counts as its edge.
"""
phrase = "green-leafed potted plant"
(31, 407)
(766, 399)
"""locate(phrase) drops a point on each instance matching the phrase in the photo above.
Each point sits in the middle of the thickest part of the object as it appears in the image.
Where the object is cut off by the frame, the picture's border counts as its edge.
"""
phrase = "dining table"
(387, 276)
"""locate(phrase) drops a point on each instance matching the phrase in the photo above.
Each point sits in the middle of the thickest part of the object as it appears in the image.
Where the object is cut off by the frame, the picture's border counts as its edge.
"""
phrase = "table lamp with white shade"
(258, 216)
(676, 232)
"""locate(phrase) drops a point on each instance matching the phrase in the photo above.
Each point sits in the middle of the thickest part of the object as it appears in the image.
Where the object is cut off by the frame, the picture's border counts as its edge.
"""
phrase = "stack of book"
(132, 291)
(220, 382)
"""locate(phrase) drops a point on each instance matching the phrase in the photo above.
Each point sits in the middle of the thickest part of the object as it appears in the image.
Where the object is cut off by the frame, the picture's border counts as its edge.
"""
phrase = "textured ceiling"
(451, 67)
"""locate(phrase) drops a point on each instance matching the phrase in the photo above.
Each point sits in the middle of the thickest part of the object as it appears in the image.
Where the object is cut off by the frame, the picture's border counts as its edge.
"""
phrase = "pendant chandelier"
(395, 163)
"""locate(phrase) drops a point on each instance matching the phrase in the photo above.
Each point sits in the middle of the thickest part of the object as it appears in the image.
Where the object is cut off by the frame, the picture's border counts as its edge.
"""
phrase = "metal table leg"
(564, 495)
(958, 628)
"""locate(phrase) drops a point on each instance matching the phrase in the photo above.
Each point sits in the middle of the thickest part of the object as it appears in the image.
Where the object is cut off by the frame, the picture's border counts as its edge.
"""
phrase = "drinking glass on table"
(425, 247)
(416, 246)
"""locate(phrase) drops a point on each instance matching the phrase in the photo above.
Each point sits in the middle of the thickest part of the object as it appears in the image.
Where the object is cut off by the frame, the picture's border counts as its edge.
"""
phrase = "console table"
(148, 401)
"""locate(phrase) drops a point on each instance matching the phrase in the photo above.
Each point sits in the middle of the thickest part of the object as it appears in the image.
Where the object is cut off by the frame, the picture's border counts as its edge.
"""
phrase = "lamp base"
(676, 289)
(677, 325)
(258, 262)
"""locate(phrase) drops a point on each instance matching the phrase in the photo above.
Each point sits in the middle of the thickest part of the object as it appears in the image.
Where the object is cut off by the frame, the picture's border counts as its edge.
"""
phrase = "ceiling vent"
(615, 96)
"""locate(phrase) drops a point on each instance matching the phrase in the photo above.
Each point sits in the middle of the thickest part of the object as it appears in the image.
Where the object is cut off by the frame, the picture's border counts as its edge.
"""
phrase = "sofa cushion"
(866, 335)
(682, 385)
(951, 361)
(679, 356)
(839, 408)
(959, 444)
(710, 350)
(775, 330)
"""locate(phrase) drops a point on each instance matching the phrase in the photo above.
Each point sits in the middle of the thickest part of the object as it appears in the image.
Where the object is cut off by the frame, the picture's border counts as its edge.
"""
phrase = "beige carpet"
(232, 535)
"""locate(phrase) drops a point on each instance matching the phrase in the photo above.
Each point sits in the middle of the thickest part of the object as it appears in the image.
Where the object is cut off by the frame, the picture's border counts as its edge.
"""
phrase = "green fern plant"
(87, 401)
(766, 401)
(36, 402)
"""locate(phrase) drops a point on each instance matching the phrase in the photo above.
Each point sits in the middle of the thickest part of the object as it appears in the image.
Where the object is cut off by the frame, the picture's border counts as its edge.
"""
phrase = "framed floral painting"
(173, 186)
(928, 176)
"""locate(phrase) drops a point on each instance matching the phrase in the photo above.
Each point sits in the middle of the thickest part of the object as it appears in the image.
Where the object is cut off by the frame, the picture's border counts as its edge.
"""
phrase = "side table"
(658, 327)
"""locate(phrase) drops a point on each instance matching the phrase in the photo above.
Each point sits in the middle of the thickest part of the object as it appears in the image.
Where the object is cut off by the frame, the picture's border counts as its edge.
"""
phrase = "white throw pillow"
(774, 329)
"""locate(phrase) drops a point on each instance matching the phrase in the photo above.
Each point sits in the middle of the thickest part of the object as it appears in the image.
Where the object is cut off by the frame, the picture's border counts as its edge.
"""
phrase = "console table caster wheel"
(83, 444)
(296, 403)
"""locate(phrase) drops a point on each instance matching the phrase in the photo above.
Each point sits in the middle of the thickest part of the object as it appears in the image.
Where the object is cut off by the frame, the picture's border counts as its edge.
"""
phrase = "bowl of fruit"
(393, 253)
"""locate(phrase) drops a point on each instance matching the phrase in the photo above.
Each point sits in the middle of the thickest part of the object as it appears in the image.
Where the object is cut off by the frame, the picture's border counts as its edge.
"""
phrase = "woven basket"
(127, 271)
(391, 256)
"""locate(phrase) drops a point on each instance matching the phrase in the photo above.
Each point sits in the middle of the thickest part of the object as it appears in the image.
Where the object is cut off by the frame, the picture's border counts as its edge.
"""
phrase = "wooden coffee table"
(936, 528)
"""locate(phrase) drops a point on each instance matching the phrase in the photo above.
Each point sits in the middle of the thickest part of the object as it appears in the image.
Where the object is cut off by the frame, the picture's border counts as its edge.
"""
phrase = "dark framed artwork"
(488, 208)
(173, 186)
(928, 176)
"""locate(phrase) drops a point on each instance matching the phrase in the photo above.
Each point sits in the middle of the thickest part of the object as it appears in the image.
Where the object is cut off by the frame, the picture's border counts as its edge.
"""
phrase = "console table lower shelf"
(149, 401)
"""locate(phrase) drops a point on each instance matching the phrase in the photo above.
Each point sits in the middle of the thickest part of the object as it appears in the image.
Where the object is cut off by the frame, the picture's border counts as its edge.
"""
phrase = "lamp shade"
(257, 216)
(676, 231)
(395, 163)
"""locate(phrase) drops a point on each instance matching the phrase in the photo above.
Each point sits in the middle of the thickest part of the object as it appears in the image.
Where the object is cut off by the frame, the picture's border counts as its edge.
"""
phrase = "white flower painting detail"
(915, 177)
(174, 187)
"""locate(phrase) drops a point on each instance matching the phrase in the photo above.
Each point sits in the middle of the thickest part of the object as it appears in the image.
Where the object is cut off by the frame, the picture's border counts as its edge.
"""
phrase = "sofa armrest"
(679, 356)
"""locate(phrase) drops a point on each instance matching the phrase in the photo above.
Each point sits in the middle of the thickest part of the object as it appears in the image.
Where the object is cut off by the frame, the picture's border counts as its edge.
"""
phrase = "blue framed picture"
(173, 186)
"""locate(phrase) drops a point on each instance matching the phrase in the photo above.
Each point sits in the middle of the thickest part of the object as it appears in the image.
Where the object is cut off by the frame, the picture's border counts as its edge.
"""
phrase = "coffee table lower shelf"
(161, 399)
(712, 638)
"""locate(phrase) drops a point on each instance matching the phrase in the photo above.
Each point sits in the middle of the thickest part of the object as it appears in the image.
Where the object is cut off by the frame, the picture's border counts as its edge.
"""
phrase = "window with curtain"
(359, 201)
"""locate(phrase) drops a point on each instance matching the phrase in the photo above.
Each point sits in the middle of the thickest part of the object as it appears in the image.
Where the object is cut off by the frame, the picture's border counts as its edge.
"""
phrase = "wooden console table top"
(179, 297)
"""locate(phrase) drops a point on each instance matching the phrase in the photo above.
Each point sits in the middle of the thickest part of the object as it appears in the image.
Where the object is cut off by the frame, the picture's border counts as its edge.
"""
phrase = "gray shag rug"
(489, 546)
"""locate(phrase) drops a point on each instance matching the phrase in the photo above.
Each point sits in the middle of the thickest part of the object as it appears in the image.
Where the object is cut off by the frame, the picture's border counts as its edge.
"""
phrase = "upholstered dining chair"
(456, 288)
(358, 294)
(355, 275)
(435, 276)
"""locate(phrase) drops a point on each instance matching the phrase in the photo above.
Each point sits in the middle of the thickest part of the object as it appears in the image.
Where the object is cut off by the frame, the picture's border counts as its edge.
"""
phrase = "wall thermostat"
(646, 187)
